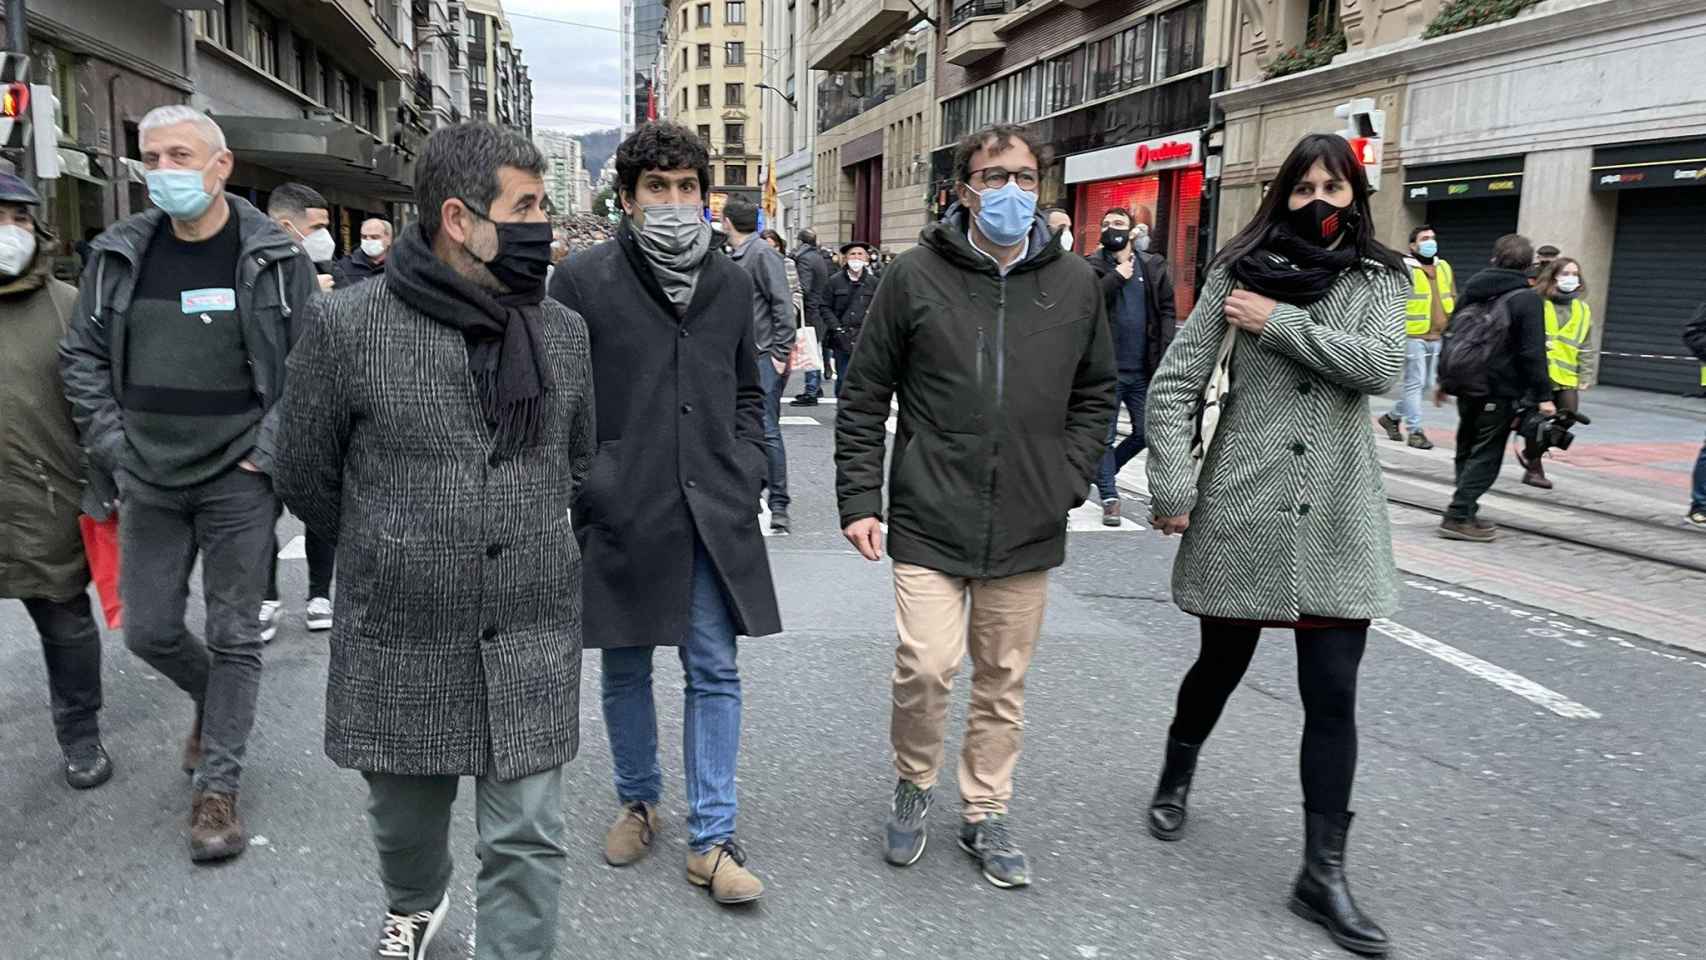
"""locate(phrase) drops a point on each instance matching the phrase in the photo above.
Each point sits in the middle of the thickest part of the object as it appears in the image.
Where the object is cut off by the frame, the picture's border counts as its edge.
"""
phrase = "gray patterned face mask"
(674, 228)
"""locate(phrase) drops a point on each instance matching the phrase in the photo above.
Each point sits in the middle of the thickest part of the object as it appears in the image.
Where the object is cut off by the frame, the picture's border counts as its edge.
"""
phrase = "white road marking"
(296, 549)
(798, 421)
(1088, 519)
(1491, 672)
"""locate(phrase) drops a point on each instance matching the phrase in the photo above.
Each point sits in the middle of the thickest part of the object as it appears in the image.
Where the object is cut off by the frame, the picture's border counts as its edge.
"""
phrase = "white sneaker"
(269, 620)
(319, 614)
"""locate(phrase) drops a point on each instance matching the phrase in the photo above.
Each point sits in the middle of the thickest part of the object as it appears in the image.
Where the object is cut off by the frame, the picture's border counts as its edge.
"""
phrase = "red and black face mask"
(1320, 222)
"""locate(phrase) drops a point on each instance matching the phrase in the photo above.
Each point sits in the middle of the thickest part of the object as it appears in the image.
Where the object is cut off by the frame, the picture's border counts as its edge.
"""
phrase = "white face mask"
(373, 248)
(1569, 284)
(856, 267)
(319, 245)
(17, 249)
(1066, 240)
(1140, 241)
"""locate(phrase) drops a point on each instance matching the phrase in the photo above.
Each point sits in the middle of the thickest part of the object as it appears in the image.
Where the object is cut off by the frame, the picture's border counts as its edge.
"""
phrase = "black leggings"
(1327, 661)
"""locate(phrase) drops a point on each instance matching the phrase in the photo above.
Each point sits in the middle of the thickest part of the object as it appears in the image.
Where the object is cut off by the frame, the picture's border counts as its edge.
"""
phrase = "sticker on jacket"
(210, 298)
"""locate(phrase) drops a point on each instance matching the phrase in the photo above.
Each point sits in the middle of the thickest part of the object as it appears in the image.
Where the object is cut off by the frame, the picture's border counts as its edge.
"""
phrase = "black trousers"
(321, 558)
(71, 645)
(1327, 662)
(1483, 430)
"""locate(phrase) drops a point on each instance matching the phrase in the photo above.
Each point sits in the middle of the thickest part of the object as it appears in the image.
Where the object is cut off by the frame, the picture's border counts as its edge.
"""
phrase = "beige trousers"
(940, 618)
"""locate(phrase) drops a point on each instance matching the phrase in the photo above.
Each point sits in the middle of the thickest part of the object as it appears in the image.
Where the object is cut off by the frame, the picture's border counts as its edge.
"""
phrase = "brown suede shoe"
(215, 831)
(630, 837)
(722, 870)
(192, 746)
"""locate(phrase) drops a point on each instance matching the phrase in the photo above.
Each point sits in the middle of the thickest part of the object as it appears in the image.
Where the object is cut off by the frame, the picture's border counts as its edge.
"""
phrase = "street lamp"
(788, 98)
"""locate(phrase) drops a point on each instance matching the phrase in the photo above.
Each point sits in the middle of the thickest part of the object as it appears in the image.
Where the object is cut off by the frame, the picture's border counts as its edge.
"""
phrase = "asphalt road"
(1530, 787)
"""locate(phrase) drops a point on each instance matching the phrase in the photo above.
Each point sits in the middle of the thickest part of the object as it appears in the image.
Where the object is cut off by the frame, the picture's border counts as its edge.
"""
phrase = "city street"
(1529, 787)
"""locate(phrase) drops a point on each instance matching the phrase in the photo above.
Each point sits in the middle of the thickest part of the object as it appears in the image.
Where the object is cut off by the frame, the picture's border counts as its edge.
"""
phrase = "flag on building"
(769, 189)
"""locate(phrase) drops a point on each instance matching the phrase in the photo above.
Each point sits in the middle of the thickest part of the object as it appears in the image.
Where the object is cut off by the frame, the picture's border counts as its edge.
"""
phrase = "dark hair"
(1547, 283)
(1548, 251)
(807, 237)
(1000, 137)
(775, 240)
(1513, 251)
(1333, 152)
(1051, 211)
(741, 214)
(294, 200)
(1424, 228)
(662, 146)
(462, 162)
(1121, 211)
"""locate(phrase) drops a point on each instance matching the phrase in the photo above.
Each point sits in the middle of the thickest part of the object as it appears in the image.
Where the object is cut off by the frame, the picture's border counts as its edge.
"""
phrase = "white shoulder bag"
(1213, 404)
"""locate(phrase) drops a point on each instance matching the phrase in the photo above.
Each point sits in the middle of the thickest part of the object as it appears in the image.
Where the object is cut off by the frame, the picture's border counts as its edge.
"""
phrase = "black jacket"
(680, 447)
(1006, 389)
(1163, 312)
(1523, 375)
(353, 269)
(813, 268)
(848, 303)
(1694, 335)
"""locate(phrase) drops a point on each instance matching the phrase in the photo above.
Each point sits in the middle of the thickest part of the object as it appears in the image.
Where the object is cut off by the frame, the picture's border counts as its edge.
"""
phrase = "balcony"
(975, 38)
(423, 90)
(856, 29)
(964, 10)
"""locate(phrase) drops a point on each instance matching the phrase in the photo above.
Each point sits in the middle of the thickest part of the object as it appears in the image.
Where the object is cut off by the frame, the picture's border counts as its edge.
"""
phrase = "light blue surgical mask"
(1005, 215)
(179, 192)
(1428, 248)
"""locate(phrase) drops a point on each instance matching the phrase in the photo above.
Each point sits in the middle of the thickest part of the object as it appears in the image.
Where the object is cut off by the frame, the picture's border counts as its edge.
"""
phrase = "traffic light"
(15, 102)
(1365, 130)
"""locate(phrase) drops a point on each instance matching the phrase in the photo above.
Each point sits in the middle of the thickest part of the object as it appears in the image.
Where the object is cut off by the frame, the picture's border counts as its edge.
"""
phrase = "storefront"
(1657, 281)
(1470, 205)
(1161, 182)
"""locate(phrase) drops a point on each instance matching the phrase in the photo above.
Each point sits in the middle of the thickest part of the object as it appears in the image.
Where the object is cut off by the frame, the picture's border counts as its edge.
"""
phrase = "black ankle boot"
(1321, 894)
(1167, 810)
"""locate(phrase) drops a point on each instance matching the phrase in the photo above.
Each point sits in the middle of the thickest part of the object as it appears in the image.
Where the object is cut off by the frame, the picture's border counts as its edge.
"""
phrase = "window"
(734, 53)
(704, 96)
(1179, 40)
(683, 19)
(304, 64)
(704, 54)
(1066, 80)
(477, 73)
(211, 24)
(734, 11)
(370, 109)
(734, 175)
(704, 15)
(351, 94)
(734, 94)
(705, 134)
(329, 88)
(1122, 60)
(683, 99)
(263, 41)
(734, 138)
(684, 60)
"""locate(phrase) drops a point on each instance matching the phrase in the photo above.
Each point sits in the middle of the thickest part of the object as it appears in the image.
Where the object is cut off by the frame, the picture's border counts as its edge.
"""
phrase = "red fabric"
(100, 544)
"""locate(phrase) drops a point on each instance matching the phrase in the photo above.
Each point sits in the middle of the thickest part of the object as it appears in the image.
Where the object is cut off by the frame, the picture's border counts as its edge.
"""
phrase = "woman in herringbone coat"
(1286, 526)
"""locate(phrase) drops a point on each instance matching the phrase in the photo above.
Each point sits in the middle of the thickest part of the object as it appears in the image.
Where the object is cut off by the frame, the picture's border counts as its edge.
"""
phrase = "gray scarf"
(675, 251)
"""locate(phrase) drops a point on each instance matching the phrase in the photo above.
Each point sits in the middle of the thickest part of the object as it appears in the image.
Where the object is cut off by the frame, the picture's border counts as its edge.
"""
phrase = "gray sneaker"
(906, 829)
(1003, 863)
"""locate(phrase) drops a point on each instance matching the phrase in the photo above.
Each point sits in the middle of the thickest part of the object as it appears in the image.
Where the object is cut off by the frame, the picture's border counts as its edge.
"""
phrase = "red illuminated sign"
(1162, 153)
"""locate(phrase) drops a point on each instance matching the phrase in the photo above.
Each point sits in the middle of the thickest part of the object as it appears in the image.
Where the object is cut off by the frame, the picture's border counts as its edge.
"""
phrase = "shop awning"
(1471, 180)
(1672, 163)
(325, 154)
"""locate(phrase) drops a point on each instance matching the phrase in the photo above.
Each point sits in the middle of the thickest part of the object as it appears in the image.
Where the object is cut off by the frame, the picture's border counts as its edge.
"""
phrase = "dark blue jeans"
(710, 734)
(1700, 482)
(840, 359)
(1132, 393)
(777, 481)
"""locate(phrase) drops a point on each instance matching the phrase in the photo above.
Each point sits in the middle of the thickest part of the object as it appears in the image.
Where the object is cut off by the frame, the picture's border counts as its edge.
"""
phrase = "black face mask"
(1114, 239)
(523, 257)
(1321, 223)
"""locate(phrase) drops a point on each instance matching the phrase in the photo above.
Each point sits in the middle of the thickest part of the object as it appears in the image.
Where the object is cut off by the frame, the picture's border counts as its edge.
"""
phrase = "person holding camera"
(1570, 358)
(1510, 374)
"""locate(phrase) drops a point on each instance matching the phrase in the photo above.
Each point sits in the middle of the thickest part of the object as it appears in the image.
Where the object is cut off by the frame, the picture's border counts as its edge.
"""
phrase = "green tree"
(603, 203)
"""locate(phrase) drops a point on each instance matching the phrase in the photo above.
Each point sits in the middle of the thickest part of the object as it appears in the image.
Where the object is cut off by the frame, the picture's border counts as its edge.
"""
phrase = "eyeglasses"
(994, 178)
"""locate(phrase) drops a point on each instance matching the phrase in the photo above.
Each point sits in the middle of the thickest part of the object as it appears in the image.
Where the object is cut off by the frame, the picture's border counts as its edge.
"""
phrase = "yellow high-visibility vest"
(1419, 310)
(1564, 344)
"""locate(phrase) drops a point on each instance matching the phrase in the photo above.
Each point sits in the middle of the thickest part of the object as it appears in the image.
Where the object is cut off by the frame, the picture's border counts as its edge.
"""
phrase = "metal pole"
(18, 41)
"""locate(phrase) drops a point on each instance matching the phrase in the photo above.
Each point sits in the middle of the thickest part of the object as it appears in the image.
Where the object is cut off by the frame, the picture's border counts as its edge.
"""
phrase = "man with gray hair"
(368, 261)
(439, 424)
(174, 365)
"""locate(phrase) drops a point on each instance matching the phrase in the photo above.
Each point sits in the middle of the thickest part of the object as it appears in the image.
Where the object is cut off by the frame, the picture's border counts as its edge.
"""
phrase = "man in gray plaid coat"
(439, 422)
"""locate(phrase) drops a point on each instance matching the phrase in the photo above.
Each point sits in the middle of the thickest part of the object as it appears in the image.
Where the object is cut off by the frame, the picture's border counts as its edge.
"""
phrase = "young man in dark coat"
(667, 520)
(439, 422)
(1519, 379)
(995, 341)
(174, 366)
(41, 484)
(1141, 312)
(850, 292)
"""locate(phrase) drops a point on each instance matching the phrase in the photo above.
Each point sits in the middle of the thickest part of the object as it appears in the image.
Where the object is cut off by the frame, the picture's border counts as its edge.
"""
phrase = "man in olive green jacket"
(41, 546)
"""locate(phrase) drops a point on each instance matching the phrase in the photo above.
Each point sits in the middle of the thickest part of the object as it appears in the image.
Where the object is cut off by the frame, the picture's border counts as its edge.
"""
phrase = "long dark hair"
(1335, 154)
(1547, 283)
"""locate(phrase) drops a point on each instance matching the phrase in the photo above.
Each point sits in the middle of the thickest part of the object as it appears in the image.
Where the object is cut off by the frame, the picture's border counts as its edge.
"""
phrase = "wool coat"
(456, 645)
(680, 447)
(1289, 516)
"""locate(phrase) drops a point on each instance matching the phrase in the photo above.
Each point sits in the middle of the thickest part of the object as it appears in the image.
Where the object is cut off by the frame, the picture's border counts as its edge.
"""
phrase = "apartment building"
(499, 89)
(714, 51)
(642, 33)
(790, 110)
(563, 161)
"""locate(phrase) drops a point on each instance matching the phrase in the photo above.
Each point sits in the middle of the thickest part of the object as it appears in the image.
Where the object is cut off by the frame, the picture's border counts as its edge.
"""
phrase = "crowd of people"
(426, 406)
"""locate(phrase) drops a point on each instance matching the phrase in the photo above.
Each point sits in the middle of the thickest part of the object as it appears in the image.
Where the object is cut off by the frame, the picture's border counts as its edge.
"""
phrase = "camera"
(1547, 433)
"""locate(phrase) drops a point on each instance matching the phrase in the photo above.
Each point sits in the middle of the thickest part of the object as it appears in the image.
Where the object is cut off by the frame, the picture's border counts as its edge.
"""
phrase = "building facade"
(790, 109)
(439, 68)
(1567, 124)
(563, 161)
(499, 89)
(715, 51)
(1120, 90)
(642, 33)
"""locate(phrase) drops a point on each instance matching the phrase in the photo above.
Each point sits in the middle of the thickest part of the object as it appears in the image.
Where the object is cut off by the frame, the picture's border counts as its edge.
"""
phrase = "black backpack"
(1477, 339)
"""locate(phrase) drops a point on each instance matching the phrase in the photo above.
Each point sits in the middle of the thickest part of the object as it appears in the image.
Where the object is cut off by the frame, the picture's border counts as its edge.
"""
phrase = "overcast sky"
(576, 70)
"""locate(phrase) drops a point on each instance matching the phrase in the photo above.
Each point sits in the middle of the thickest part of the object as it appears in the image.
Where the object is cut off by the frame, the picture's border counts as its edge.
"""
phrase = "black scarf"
(506, 349)
(1292, 270)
